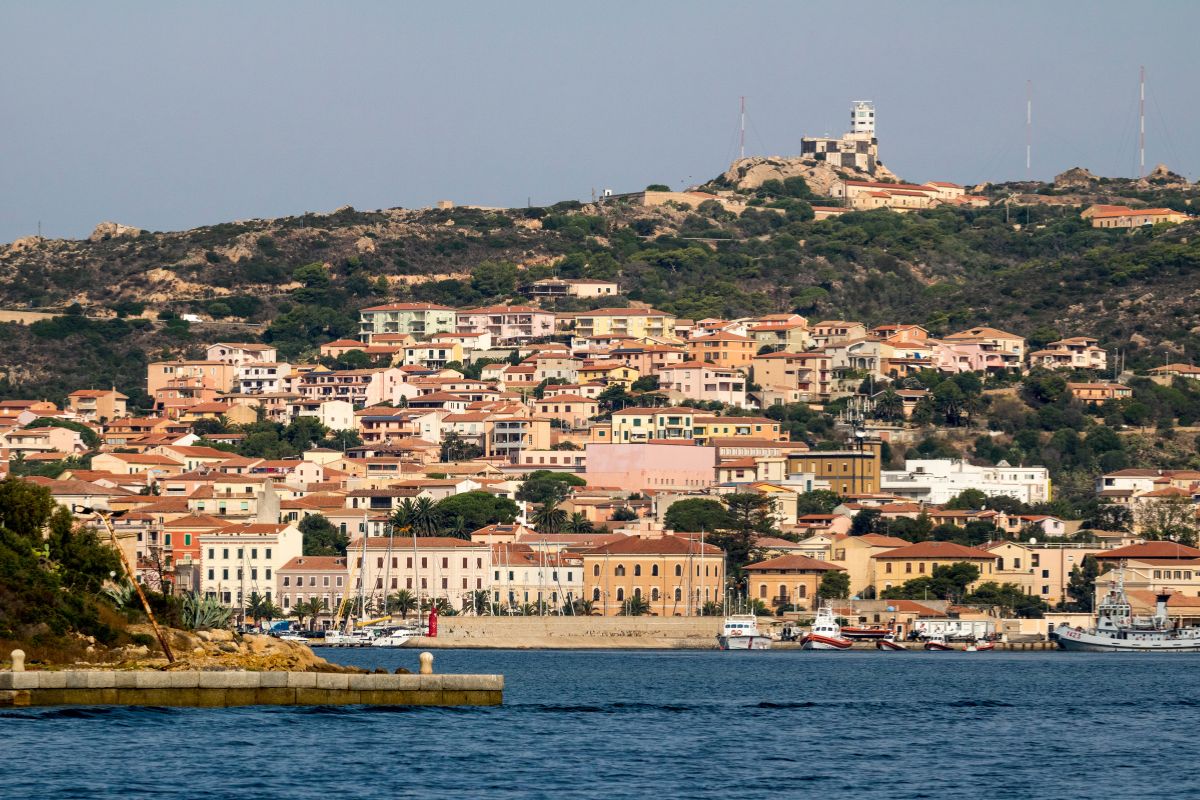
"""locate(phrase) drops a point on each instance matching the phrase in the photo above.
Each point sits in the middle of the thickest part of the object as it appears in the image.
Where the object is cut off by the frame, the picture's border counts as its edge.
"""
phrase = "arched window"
(654, 570)
(678, 570)
(596, 570)
(637, 570)
(654, 594)
(596, 594)
(802, 591)
(619, 571)
(620, 595)
(762, 590)
(637, 593)
(678, 594)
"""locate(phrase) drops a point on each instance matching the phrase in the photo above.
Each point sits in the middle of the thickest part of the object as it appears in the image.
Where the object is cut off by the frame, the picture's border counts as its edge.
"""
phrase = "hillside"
(1033, 267)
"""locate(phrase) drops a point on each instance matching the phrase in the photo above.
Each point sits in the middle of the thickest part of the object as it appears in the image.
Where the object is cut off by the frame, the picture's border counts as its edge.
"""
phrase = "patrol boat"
(1118, 631)
(740, 632)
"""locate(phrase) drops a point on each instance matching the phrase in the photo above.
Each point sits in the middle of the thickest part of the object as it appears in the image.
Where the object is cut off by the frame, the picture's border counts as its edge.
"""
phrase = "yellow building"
(895, 567)
(790, 580)
(642, 424)
(674, 575)
(706, 427)
(856, 555)
(637, 323)
(608, 372)
(847, 471)
(723, 349)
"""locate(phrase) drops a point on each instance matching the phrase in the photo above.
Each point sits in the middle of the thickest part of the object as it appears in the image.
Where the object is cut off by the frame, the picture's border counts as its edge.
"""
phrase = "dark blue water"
(663, 725)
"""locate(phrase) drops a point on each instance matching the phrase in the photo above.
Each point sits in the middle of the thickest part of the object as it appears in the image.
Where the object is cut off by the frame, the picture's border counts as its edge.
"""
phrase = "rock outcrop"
(1074, 178)
(1163, 178)
(751, 173)
(114, 230)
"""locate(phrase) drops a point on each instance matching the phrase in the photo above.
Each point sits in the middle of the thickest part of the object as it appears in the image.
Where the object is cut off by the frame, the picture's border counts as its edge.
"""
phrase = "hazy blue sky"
(167, 115)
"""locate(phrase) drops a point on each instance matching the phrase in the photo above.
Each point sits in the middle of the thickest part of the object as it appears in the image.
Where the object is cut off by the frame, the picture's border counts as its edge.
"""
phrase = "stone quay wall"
(218, 689)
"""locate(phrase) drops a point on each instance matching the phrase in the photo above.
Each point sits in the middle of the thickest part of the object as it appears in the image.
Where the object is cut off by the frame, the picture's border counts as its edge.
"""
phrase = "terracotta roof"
(323, 563)
(946, 550)
(663, 545)
(1172, 550)
(430, 542)
(793, 563)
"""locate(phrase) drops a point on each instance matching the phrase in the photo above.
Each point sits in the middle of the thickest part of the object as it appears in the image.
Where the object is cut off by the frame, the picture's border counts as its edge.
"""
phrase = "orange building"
(674, 575)
(723, 349)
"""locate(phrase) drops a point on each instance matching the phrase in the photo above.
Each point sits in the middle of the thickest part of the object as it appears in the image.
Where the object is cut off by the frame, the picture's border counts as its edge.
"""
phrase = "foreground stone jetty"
(227, 688)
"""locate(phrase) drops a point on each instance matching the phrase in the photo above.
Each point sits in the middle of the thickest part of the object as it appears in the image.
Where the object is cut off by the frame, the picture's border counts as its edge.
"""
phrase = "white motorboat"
(339, 639)
(1118, 631)
(937, 642)
(397, 637)
(826, 633)
(740, 632)
(889, 643)
(293, 637)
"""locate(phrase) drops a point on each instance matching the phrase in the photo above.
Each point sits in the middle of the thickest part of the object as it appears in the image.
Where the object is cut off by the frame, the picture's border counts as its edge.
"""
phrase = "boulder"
(1074, 178)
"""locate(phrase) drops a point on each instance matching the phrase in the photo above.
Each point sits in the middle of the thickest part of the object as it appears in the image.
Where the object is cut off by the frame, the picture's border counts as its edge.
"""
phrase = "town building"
(307, 578)
(654, 465)
(788, 582)
(97, 405)
(896, 567)
(415, 319)
(674, 575)
(240, 560)
(939, 480)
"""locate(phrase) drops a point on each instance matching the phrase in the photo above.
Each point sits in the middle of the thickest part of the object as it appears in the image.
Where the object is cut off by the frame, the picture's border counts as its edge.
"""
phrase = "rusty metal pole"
(112, 535)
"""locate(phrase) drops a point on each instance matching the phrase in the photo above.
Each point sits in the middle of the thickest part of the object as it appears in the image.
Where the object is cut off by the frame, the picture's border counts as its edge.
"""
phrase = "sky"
(170, 115)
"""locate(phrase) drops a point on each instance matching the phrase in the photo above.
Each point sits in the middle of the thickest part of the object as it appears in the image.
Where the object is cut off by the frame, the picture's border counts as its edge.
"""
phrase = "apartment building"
(441, 568)
(507, 325)
(416, 319)
(262, 377)
(636, 323)
(699, 380)
(793, 377)
(97, 405)
(238, 353)
(1077, 352)
(937, 480)
(239, 560)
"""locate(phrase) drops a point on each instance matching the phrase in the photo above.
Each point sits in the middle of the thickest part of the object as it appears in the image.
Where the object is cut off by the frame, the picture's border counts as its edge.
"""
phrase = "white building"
(261, 377)
(433, 566)
(521, 576)
(937, 480)
(239, 560)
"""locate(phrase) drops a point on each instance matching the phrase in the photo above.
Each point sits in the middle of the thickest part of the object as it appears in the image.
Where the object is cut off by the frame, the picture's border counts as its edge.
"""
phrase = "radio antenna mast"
(1142, 123)
(1028, 130)
(742, 137)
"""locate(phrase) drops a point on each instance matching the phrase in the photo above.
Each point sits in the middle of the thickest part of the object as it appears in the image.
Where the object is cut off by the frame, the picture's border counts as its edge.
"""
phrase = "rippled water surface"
(660, 724)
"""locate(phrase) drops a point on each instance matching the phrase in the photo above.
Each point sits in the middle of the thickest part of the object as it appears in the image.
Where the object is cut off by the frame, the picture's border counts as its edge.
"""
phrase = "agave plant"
(121, 593)
(198, 613)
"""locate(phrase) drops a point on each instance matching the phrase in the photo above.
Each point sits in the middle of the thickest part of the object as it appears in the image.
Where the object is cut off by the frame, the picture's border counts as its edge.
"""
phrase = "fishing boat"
(740, 632)
(889, 643)
(1117, 630)
(825, 633)
(937, 642)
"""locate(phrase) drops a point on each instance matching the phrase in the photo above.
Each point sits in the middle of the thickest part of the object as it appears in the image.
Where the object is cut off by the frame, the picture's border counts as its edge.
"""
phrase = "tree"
(455, 448)
(750, 516)
(321, 538)
(421, 516)
(1082, 585)
(697, 514)
(1008, 596)
(967, 500)
(402, 601)
(818, 501)
(635, 606)
(259, 607)
(477, 510)
(835, 585)
(578, 523)
(867, 520)
(947, 582)
(1168, 519)
(549, 518)
(541, 486)
(1110, 517)
(889, 406)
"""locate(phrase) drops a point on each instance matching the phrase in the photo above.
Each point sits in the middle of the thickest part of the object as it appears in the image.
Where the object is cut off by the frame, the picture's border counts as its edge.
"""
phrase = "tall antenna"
(742, 139)
(1028, 129)
(1142, 124)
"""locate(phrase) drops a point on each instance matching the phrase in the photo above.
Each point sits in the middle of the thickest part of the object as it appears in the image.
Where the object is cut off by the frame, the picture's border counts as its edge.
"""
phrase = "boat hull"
(817, 642)
(744, 642)
(888, 644)
(937, 646)
(1082, 641)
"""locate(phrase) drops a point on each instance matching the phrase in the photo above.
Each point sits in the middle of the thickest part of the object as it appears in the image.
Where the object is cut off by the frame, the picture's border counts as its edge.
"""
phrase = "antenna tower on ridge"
(742, 137)
(1142, 123)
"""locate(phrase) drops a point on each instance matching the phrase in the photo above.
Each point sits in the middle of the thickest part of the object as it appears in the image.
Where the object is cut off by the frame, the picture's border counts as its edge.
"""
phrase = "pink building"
(507, 324)
(653, 465)
(699, 380)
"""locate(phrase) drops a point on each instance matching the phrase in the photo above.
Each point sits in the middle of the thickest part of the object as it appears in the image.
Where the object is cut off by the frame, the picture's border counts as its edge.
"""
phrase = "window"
(678, 594)
(619, 571)
(888, 567)
(1045, 573)
(224, 552)
(210, 574)
(620, 595)
(654, 570)
(211, 554)
(596, 594)
(678, 571)
(254, 552)
(637, 570)
(762, 590)
(287, 581)
(187, 540)
(908, 566)
(225, 574)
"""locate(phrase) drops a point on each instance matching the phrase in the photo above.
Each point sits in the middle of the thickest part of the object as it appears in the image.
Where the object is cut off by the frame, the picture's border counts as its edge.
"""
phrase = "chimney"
(1161, 610)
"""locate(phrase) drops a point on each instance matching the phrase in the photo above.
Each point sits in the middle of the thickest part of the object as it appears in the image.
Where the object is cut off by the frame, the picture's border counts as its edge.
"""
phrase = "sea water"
(659, 724)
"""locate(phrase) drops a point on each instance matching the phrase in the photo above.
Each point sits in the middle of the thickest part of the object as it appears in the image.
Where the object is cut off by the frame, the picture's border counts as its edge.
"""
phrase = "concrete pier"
(218, 689)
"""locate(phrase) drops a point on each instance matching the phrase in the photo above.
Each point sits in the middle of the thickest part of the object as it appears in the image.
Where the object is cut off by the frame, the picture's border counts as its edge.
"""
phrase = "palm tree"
(578, 523)
(889, 406)
(478, 603)
(403, 515)
(549, 518)
(458, 527)
(403, 601)
(635, 606)
(426, 519)
(579, 607)
(257, 607)
(307, 609)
